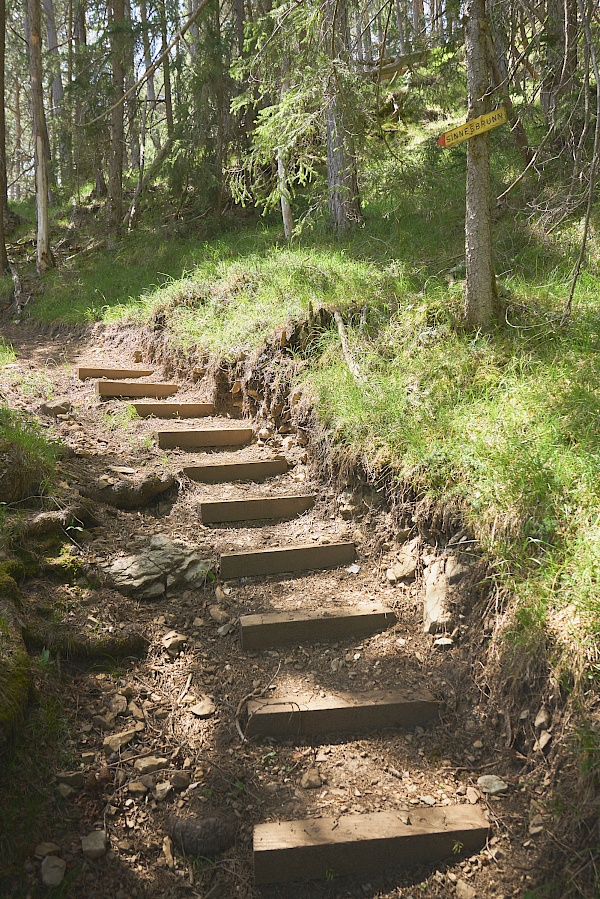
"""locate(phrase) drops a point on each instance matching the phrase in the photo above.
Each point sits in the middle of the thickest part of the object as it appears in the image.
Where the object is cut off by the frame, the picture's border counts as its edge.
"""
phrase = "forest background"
(222, 167)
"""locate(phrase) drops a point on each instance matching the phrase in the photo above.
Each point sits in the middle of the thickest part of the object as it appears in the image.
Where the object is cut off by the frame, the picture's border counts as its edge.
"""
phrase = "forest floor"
(206, 767)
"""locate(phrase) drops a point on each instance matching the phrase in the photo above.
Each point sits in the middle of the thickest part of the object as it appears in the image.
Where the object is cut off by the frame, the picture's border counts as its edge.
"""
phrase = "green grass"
(7, 354)
(39, 454)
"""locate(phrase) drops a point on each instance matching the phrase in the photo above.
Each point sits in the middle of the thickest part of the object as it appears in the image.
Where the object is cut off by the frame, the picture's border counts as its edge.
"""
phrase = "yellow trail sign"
(476, 126)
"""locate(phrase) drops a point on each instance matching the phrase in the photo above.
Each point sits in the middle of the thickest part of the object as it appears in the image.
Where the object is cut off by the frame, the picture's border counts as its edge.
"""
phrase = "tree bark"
(3, 179)
(57, 90)
(166, 67)
(342, 180)
(481, 300)
(45, 260)
(117, 131)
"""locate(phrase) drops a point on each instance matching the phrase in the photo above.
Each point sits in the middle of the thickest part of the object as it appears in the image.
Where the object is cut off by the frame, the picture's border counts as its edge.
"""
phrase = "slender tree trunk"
(18, 154)
(132, 101)
(117, 131)
(3, 190)
(57, 91)
(344, 201)
(45, 260)
(481, 300)
(150, 87)
(166, 67)
(284, 194)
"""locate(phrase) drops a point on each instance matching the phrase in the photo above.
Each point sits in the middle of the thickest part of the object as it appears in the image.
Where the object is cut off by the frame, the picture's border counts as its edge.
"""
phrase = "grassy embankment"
(504, 426)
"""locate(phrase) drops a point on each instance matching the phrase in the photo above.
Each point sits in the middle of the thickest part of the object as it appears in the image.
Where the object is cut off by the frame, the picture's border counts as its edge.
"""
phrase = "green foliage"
(7, 354)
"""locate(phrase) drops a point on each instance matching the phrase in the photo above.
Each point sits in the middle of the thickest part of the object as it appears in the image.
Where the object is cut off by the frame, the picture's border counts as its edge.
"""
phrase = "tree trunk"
(3, 190)
(132, 99)
(150, 88)
(18, 154)
(344, 201)
(45, 260)
(117, 131)
(166, 67)
(57, 91)
(284, 194)
(481, 301)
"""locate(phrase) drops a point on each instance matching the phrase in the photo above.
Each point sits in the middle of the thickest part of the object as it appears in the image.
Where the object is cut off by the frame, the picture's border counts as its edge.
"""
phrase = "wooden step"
(264, 631)
(309, 715)
(255, 507)
(174, 410)
(224, 472)
(282, 559)
(125, 389)
(319, 848)
(85, 373)
(203, 437)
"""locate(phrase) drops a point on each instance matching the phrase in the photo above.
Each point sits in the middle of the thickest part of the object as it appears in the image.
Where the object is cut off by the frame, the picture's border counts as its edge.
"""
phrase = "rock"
(174, 642)
(428, 800)
(138, 356)
(46, 524)
(204, 708)
(66, 791)
(137, 788)
(464, 890)
(491, 784)
(115, 742)
(104, 722)
(163, 566)
(350, 504)
(472, 795)
(53, 871)
(536, 825)
(543, 740)
(118, 704)
(218, 614)
(311, 780)
(73, 779)
(202, 836)
(405, 568)
(542, 719)
(443, 643)
(168, 852)
(44, 849)
(264, 434)
(163, 790)
(181, 780)
(94, 845)
(150, 764)
(59, 406)
(130, 493)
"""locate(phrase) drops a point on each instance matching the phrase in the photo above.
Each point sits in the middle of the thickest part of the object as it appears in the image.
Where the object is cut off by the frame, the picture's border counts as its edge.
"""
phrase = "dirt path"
(183, 701)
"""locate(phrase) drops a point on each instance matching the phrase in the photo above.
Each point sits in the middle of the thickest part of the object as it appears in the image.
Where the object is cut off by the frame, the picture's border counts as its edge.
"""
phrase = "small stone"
(199, 622)
(53, 871)
(104, 722)
(168, 852)
(118, 704)
(543, 740)
(181, 780)
(44, 849)
(443, 643)
(88, 758)
(205, 708)
(428, 800)
(491, 784)
(56, 407)
(150, 764)
(94, 845)
(542, 719)
(465, 890)
(161, 714)
(311, 780)
(536, 826)
(137, 788)
(478, 744)
(174, 642)
(264, 434)
(225, 629)
(218, 614)
(127, 692)
(163, 790)
(472, 795)
(115, 742)
(74, 779)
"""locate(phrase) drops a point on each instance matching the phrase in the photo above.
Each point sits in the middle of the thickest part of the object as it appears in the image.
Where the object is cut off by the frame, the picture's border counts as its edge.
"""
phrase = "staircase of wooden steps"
(313, 848)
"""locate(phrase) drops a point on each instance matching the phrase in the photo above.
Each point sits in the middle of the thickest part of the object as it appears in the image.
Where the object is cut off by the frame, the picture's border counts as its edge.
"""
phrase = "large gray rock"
(53, 871)
(161, 567)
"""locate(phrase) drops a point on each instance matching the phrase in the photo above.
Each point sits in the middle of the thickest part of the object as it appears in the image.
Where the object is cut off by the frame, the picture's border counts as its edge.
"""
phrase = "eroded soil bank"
(135, 710)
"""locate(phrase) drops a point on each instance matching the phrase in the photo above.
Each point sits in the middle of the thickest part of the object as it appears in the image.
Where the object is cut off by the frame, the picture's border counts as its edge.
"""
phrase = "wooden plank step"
(316, 848)
(125, 389)
(173, 410)
(203, 437)
(263, 631)
(282, 559)
(224, 472)
(341, 713)
(255, 507)
(85, 373)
